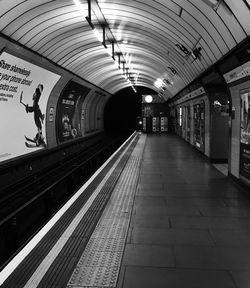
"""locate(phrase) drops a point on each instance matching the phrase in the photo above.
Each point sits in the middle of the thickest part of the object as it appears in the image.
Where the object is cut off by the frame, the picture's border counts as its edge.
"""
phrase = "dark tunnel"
(122, 109)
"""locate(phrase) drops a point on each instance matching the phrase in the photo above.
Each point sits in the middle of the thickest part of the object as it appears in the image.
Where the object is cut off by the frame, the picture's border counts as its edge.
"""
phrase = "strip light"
(212, 3)
(80, 8)
(98, 35)
(110, 50)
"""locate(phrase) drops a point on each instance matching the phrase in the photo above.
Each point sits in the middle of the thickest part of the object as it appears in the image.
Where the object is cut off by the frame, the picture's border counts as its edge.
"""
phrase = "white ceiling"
(149, 33)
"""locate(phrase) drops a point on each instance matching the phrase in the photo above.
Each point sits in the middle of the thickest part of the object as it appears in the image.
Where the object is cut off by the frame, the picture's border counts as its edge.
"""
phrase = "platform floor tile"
(190, 224)
(147, 277)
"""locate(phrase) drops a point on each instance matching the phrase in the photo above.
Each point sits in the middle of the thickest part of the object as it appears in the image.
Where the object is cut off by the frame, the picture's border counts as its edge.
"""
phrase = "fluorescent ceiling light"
(109, 50)
(101, 37)
(134, 89)
(98, 35)
(212, 3)
(158, 83)
(80, 7)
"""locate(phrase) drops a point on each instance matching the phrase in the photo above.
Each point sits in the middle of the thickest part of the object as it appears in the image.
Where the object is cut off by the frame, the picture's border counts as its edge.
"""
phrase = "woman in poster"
(38, 117)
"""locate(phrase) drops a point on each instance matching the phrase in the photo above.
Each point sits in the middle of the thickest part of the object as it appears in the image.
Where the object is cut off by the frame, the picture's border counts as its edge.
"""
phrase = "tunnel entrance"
(122, 109)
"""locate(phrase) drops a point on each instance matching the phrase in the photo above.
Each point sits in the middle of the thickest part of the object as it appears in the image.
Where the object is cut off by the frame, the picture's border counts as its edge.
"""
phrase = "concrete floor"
(190, 226)
(223, 168)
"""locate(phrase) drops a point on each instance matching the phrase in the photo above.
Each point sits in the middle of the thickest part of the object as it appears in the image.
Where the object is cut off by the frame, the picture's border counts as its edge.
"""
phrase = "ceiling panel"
(157, 37)
(241, 12)
(232, 23)
(216, 23)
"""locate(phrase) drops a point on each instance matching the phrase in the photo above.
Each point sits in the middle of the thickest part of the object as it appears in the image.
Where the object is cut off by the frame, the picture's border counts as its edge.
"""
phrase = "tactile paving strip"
(94, 277)
(106, 232)
(110, 244)
(97, 258)
(100, 262)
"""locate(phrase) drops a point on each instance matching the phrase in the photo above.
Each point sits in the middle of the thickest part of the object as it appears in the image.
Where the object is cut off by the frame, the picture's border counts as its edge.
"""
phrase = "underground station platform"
(155, 214)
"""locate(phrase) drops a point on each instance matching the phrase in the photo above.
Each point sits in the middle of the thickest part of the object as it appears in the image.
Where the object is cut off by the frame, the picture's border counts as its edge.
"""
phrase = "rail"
(64, 181)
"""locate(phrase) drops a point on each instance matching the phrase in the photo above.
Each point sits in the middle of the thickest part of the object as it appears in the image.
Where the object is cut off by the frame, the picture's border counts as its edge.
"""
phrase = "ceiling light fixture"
(106, 35)
(98, 35)
(158, 83)
(80, 7)
(148, 98)
(180, 12)
(213, 3)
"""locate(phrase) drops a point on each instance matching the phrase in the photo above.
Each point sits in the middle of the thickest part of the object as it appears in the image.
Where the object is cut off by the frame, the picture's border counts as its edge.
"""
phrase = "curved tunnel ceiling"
(171, 40)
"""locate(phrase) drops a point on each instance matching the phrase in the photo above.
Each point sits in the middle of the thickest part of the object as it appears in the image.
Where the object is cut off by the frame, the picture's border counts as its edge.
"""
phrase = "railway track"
(28, 204)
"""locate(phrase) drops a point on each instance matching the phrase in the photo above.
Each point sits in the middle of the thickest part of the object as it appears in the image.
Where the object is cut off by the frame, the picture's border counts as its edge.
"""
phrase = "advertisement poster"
(188, 122)
(69, 111)
(245, 136)
(24, 92)
(199, 125)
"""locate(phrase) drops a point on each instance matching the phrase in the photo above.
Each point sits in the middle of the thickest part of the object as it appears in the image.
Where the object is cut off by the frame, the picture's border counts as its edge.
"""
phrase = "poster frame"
(201, 144)
(59, 136)
(24, 54)
(243, 146)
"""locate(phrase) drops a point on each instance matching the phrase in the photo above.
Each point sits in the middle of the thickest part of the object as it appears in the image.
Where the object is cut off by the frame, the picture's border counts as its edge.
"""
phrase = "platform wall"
(72, 107)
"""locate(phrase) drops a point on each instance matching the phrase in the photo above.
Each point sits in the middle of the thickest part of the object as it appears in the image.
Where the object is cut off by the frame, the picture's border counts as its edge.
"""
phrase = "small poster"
(199, 125)
(69, 111)
(245, 136)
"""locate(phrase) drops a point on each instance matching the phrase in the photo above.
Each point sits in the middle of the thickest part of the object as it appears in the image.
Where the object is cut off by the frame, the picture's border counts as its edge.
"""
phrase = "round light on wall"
(148, 98)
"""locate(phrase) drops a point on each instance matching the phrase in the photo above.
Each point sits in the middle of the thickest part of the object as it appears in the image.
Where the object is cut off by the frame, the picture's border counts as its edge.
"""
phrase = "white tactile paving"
(94, 277)
(100, 258)
(100, 262)
(109, 244)
(105, 233)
